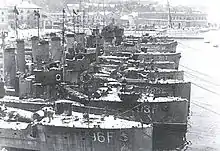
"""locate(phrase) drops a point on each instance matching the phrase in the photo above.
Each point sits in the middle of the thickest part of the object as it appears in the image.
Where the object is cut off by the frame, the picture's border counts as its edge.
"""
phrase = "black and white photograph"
(109, 75)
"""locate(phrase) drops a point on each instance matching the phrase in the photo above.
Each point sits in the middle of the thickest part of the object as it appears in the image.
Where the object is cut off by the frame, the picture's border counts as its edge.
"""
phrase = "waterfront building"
(3, 17)
(26, 17)
(179, 19)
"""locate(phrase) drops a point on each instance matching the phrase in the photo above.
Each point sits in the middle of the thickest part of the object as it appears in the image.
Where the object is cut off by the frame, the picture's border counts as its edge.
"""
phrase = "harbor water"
(200, 61)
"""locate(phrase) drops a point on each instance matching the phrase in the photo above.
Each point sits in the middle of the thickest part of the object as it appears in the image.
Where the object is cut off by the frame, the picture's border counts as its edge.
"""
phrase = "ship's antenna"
(16, 20)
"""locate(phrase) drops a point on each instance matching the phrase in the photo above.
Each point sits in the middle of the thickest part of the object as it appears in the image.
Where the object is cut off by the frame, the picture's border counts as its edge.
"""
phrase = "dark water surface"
(201, 63)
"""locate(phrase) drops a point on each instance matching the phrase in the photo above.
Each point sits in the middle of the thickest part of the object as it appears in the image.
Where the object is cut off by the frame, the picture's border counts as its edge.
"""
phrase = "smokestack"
(34, 43)
(9, 67)
(70, 41)
(42, 54)
(80, 38)
(56, 49)
(52, 35)
(20, 57)
(97, 52)
(46, 51)
(25, 87)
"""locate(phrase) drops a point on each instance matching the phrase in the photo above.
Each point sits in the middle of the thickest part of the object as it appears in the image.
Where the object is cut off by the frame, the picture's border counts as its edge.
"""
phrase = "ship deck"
(161, 81)
(98, 121)
(158, 70)
(13, 125)
(157, 43)
(158, 53)
(114, 97)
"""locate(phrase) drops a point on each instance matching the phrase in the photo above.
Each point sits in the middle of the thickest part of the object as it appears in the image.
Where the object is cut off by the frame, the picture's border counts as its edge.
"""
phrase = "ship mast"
(84, 31)
(74, 28)
(97, 46)
(16, 21)
(74, 21)
(79, 16)
(63, 42)
(3, 35)
(103, 13)
(72, 14)
(37, 13)
(169, 15)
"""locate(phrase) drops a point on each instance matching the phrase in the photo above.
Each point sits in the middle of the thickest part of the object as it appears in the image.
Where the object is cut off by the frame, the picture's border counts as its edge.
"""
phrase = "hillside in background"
(54, 5)
(126, 6)
(50, 5)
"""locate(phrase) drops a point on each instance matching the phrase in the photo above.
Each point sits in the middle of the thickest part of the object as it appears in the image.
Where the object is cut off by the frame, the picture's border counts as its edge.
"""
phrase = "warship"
(158, 70)
(61, 95)
(77, 132)
(151, 43)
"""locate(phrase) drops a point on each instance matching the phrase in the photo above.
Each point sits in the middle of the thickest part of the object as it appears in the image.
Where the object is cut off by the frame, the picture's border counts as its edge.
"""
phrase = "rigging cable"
(205, 89)
(189, 46)
(200, 85)
(130, 109)
(204, 80)
(205, 108)
(194, 70)
(192, 102)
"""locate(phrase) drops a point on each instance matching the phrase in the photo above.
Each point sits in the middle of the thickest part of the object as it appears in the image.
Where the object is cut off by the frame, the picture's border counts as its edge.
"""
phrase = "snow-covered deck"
(158, 70)
(78, 121)
(158, 53)
(13, 125)
(161, 81)
(161, 99)
(114, 97)
(158, 43)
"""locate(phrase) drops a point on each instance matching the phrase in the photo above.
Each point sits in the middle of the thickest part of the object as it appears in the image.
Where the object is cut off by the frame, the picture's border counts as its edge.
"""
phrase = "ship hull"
(54, 138)
(2, 90)
(148, 57)
(172, 111)
(180, 89)
(159, 47)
